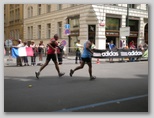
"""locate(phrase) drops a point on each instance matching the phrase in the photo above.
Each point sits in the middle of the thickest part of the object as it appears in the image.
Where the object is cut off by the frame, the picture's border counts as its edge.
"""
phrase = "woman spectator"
(132, 46)
(33, 58)
(25, 58)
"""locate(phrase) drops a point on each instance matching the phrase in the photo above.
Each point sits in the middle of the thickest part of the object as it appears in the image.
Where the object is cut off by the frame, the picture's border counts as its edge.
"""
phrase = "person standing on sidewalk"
(25, 57)
(112, 46)
(41, 47)
(132, 47)
(51, 54)
(33, 58)
(86, 58)
(19, 59)
(60, 53)
(78, 51)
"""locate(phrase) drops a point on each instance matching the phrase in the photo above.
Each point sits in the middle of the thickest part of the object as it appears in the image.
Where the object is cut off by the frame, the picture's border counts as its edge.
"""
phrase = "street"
(119, 87)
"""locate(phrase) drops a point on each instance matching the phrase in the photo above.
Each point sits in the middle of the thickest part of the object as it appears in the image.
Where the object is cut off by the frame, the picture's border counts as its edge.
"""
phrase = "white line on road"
(102, 103)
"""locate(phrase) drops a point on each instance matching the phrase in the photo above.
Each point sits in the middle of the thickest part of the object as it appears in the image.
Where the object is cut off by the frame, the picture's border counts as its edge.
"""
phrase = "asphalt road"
(119, 87)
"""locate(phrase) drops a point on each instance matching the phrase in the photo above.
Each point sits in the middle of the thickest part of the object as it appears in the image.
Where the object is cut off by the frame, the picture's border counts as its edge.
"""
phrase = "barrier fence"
(117, 53)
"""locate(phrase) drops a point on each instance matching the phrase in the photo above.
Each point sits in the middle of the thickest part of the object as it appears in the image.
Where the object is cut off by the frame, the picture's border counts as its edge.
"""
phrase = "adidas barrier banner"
(118, 53)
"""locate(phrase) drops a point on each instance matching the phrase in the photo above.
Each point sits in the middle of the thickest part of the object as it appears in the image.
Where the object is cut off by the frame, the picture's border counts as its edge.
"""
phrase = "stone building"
(13, 22)
(99, 21)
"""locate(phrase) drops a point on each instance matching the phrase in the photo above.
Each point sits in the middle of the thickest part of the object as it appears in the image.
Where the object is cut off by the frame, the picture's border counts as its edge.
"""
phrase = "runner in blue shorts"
(86, 58)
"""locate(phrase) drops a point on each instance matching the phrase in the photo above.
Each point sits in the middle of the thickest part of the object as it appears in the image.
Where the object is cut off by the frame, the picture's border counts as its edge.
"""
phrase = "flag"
(22, 51)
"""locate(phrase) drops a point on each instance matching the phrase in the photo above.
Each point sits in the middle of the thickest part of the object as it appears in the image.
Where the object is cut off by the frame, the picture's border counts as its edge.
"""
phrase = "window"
(131, 5)
(39, 9)
(30, 12)
(48, 8)
(59, 6)
(17, 14)
(11, 6)
(30, 32)
(60, 29)
(18, 34)
(112, 23)
(73, 5)
(74, 21)
(147, 7)
(28, 35)
(12, 34)
(15, 34)
(39, 31)
(11, 15)
(134, 25)
(48, 30)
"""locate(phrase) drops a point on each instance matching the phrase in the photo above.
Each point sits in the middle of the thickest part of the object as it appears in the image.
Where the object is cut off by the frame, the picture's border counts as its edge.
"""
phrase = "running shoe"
(71, 72)
(92, 78)
(61, 74)
(37, 74)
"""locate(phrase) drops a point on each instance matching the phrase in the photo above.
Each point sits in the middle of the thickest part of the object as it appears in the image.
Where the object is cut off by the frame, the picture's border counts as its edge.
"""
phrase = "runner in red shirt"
(51, 54)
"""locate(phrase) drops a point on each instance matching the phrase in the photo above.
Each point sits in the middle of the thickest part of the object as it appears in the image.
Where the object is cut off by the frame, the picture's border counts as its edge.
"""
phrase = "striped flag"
(22, 51)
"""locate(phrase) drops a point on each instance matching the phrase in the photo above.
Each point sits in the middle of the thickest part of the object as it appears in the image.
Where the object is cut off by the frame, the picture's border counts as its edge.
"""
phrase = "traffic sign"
(67, 31)
(67, 26)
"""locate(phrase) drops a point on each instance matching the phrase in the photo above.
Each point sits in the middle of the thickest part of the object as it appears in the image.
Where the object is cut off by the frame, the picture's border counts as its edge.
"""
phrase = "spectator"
(33, 58)
(25, 58)
(41, 47)
(78, 51)
(111, 47)
(19, 59)
(132, 46)
(60, 53)
(145, 46)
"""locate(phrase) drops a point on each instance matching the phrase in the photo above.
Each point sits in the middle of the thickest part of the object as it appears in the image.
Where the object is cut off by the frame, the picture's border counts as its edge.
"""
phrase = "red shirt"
(50, 50)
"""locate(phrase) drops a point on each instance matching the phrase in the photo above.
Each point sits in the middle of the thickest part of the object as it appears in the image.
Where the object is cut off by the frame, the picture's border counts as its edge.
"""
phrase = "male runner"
(51, 55)
(85, 58)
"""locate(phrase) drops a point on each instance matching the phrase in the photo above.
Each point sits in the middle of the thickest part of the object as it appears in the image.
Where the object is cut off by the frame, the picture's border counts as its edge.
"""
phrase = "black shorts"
(51, 56)
(86, 59)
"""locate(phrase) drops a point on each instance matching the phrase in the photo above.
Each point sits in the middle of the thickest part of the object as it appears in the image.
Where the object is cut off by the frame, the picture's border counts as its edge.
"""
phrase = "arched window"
(48, 8)
(30, 11)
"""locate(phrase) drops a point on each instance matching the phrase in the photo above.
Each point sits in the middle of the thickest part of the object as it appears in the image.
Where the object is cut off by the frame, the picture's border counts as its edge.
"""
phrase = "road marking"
(22, 79)
(102, 103)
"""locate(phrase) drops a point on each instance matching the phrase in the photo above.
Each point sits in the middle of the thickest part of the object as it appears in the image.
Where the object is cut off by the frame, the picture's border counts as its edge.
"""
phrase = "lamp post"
(127, 21)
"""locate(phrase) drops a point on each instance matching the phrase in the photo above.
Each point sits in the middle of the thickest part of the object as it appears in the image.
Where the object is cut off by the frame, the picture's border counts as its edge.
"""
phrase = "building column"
(140, 39)
(100, 37)
(123, 24)
(83, 31)
(100, 29)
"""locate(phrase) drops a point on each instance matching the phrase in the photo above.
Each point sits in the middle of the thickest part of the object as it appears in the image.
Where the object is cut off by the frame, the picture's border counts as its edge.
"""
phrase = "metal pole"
(127, 21)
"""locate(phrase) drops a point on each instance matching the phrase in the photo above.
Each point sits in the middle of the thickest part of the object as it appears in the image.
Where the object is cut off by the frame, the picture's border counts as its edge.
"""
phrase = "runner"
(51, 55)
(86, 58)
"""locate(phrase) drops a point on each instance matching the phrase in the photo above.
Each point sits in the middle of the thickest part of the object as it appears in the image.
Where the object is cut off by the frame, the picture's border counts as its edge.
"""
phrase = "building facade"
(101, 22)
(13, 22)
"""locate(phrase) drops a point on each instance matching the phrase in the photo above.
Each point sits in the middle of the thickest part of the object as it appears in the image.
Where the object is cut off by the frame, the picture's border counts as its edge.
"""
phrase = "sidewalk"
(67, 60)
